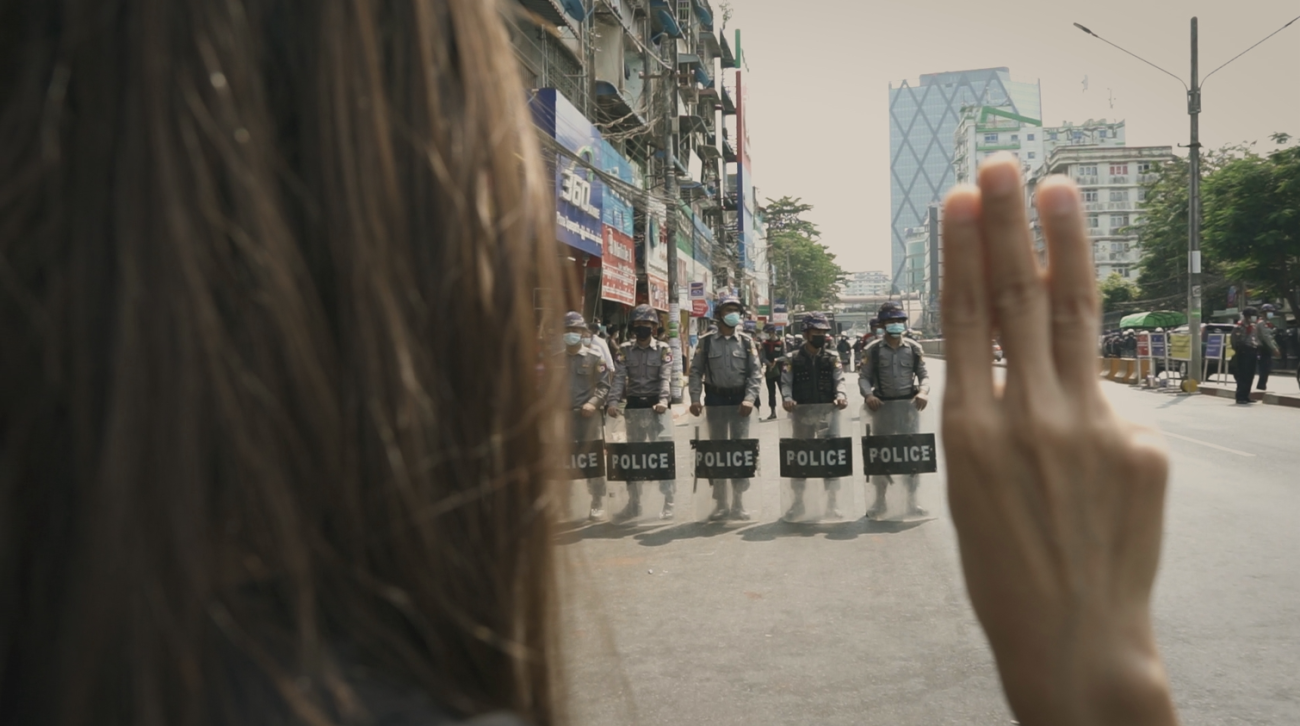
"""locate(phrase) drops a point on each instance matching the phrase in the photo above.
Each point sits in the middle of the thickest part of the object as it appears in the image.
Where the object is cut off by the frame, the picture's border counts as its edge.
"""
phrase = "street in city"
(868, 622)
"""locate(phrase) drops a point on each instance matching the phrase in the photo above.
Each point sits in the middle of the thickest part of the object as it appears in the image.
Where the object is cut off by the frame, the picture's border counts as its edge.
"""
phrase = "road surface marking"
(1206, 443)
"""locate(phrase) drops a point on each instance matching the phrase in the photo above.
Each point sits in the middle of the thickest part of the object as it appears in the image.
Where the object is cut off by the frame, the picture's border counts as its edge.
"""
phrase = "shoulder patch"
(666, 354)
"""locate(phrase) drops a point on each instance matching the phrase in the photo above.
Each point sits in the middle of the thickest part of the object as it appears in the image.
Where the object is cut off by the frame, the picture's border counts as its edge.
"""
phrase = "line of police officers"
(725, 375)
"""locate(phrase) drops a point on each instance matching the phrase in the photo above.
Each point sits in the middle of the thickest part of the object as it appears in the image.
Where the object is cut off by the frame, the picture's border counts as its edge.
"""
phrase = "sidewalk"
(1283, 390)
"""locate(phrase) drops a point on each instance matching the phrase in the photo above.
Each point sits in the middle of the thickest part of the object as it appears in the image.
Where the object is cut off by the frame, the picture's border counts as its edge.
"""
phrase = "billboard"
(579, 193)
(618, 278)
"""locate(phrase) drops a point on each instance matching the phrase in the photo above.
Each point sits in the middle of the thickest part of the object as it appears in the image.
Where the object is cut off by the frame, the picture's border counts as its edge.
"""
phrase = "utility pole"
(1192, 381)
(668, 49)
(1195, 364)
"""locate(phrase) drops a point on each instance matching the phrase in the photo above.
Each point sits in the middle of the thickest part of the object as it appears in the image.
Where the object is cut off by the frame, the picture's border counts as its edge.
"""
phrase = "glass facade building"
(922, 122)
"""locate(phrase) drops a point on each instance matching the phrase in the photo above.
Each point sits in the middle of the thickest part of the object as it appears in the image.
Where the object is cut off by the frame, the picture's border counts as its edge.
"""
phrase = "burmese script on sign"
(646, 461)
(729, 459)
(817, 458)
(899, 454)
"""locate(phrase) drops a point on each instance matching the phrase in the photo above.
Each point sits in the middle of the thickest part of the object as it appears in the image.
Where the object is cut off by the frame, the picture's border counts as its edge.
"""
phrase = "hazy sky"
(819, 73)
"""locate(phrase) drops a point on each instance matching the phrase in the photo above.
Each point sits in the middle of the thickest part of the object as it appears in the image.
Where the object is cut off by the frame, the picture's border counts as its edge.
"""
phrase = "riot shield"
(641, 466)
(584, 494)
(816, 456)
(898, 449)
(725, 461)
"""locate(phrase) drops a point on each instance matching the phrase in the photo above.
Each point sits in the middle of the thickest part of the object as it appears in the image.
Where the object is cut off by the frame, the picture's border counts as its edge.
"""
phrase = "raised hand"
(1057, 502)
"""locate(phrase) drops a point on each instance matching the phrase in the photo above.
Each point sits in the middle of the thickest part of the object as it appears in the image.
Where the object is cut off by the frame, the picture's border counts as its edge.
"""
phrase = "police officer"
(589, 382)
(641, 378)
(1268, 345)
(815, 374)
(893, 369)
(726, 369)
(772, 354)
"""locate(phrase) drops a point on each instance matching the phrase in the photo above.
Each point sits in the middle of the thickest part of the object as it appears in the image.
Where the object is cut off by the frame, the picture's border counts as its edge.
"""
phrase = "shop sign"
(618, 278)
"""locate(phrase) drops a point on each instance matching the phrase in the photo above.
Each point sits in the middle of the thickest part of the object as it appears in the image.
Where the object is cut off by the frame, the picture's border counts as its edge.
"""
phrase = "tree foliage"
(1250, 227)
(1115, 291)
(806, 272)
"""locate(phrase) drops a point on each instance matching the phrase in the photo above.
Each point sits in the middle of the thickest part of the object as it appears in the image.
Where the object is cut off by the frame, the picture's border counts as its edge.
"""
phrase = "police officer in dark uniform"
(893, 369)
(1268, 345)
(589, 382)
(642, 373)
(772, 353)
(726, 369)
(814, 375)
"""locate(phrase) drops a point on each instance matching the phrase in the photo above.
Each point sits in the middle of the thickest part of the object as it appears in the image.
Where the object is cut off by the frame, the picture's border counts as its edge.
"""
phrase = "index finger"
(967, 326)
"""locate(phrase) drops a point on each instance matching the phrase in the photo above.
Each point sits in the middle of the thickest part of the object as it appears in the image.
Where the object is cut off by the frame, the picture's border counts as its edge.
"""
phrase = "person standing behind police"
(1245, 341)
(815, 375)
(642, 374)
(751, 329)
(1267, 346)
(774, 361)
(726, 369)
(589, 381)
(893, 369)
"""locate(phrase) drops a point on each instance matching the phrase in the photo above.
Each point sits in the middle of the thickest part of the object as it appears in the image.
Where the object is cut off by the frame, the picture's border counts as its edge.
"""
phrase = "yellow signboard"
(1180, 346)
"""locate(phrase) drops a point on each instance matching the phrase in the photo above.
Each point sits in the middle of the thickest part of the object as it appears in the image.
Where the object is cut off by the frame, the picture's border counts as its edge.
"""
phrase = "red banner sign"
(658, 292)
(618, 278)
(699, 308)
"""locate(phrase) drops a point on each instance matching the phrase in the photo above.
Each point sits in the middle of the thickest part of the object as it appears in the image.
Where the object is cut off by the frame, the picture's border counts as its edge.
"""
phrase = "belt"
(639, 402)
(713, 390)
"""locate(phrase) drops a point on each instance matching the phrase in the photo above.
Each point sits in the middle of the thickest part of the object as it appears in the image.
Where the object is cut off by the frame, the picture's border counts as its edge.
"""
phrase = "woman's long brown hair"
(271, 279)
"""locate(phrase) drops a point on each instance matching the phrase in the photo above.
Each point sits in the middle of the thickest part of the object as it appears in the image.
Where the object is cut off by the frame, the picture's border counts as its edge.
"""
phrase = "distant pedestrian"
(1267, 345)
(846, 352)
(1245, 342)
(594, 340)
(773, 356)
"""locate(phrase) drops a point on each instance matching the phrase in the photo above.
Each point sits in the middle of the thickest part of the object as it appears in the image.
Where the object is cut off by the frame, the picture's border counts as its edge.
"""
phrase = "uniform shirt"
(600, 345)
(1267, 344)
(726, 362)
(818, 360)
(643, 372)
(901, 370)
(588, 378)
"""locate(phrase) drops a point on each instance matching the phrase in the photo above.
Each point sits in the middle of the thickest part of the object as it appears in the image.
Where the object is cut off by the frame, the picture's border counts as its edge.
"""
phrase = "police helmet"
(1268, 308)
(725, 300)
(1252, 312)
(574, 320)
(645, 314)
(816, 321)
(891, 311)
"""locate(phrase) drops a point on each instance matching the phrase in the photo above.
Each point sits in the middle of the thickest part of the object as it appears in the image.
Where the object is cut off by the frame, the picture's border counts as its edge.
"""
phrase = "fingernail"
(998, 177)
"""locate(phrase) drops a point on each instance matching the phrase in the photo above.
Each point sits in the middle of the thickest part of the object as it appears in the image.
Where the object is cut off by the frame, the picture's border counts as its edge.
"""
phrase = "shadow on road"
(1175, 401)
(831, 530)
(690, 530)
(572, 532)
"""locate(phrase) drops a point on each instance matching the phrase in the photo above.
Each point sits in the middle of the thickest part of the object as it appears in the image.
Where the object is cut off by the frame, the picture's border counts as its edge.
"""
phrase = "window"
(990, 138)
(1030, 137)
(1144, 167)
(1093, 221)
(1142, 195)
(1118, 220)
(1088, 170)
(1015, 137)
(1119, 169)
(1119, 195)
(1052, 136)
(1089, 195)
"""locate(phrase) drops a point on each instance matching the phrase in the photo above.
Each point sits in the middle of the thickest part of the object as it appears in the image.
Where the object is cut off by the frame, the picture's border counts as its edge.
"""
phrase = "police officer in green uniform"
(727, 371)
(893, 369)
(642, 373)
(815, 375)
(589, 381)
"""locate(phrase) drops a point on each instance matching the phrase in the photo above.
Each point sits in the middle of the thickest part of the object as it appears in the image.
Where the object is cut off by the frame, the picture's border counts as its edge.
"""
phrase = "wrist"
(1094, 681)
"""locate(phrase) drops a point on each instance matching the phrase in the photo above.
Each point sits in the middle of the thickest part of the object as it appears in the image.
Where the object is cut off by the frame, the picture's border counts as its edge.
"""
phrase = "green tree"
(1115, 291)
(1252, 220)
(806, 272)
(1162, 239)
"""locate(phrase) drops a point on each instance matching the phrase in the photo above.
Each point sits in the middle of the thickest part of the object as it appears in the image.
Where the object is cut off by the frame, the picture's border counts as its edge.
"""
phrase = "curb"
(1266, 397)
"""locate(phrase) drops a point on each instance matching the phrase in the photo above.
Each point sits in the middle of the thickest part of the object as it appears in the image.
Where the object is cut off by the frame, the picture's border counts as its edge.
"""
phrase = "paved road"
(858, 623)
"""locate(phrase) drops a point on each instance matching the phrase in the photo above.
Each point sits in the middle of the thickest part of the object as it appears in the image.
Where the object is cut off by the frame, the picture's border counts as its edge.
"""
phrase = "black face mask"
(817, 341)
(643, 332)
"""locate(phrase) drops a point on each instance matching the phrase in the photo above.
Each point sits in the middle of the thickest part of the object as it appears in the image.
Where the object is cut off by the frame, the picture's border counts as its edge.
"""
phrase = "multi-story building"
(922, 121)
(1111, 179)
(1089, 133)
(868, 284)
(986, 130)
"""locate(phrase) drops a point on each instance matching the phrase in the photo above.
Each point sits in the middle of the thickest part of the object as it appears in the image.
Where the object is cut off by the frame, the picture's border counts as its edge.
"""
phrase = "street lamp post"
(1194, 191)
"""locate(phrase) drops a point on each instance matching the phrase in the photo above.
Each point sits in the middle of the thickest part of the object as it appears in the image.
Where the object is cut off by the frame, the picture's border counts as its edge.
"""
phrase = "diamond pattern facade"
(922, 120)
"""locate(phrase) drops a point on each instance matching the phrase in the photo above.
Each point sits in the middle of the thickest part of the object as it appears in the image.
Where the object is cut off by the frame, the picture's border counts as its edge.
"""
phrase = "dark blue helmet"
(816, 321)
(574, 320)
(891, 311)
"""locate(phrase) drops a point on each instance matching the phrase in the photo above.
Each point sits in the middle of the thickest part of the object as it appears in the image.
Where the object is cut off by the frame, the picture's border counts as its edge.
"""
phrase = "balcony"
(728, 58)
(1094, 206)
(1147, 178)
(728, 106)
(1119, 179)
(1091, 180)
(1119, 206)
(1013, 146)
(559, 13)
